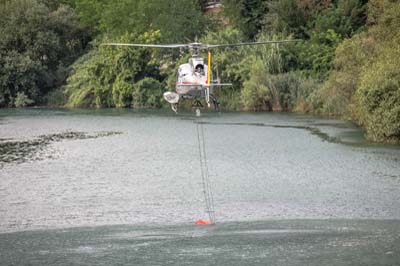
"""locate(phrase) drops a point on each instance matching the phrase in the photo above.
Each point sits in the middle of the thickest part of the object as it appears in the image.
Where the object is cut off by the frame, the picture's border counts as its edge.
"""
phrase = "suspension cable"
(205, 176)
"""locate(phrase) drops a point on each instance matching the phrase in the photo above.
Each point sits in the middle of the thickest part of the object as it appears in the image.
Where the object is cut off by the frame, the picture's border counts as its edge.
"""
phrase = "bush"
(279, 92)
(350, 58)
(38, 39)
(22, 100)
(106, 76)
(256, 93)
(56, 98)
(378, 97)
(365, 81)
(148, 93)
(122, 90)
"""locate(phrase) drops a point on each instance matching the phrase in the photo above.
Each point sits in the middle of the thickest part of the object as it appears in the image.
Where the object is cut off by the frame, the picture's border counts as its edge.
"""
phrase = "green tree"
(365, 82)
(106, 76)
(321, 24)
(355, 11)
(293, 16)
(37, 44)
(378, 96)
(177, 20)
(350, 57)
(314, 57)
(256, 94)
(148, 93)
(246, 15)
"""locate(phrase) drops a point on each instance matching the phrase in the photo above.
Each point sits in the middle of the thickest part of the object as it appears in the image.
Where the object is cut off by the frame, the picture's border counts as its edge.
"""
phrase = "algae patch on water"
(20, 151)
(311, 129)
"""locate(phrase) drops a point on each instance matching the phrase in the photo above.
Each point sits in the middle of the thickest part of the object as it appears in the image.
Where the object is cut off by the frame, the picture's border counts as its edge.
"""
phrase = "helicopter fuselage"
(193, 81)
(191, 78)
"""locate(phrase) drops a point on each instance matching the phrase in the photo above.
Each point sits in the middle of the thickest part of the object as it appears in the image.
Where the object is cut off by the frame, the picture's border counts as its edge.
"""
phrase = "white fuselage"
(192, 78)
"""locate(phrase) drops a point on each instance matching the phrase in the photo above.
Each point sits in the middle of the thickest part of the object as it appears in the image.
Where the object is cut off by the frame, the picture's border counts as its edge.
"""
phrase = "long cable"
(208, 195)
(208, 182)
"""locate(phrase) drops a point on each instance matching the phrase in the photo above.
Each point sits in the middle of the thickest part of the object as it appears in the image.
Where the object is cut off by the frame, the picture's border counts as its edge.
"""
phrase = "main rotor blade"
(247, 43)
(149, 45)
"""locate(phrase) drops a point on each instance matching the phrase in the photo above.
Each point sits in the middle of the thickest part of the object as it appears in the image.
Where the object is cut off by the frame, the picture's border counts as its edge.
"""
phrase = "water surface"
(91, 184)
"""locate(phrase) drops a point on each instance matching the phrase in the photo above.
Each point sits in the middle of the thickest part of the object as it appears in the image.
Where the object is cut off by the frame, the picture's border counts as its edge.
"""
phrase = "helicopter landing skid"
(197, 104)
(215, 102)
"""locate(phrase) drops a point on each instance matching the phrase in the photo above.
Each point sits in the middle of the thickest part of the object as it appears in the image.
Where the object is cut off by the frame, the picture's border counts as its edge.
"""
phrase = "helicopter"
(194, 79)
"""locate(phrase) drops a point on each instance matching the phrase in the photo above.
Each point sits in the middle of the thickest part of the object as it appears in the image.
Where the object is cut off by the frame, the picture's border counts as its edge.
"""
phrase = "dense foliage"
(114, 77)
(38, 42)
(177, 20)
(376, 97)
(130, 77)
(345, 66)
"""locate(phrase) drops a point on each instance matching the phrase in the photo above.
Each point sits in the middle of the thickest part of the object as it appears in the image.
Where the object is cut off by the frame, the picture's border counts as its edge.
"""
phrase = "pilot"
(199, 69)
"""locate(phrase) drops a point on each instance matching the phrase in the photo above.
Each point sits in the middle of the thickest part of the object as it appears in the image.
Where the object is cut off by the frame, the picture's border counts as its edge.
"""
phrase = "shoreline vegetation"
(346, 67)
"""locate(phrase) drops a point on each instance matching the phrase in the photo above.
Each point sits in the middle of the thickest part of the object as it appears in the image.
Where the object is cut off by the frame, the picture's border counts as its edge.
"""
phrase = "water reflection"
(313, 130)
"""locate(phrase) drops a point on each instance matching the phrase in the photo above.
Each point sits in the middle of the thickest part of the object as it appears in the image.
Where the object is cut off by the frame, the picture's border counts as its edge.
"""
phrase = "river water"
(117, 187)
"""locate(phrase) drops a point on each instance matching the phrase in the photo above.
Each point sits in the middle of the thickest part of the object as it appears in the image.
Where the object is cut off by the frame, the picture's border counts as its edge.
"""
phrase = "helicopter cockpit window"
(199, 69)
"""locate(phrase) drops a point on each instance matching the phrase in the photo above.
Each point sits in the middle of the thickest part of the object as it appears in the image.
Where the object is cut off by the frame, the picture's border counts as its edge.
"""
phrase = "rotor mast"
(195, 49)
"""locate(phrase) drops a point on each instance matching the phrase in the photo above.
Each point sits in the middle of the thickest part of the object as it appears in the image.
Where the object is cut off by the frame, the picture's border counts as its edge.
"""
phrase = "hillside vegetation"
(51, 53)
